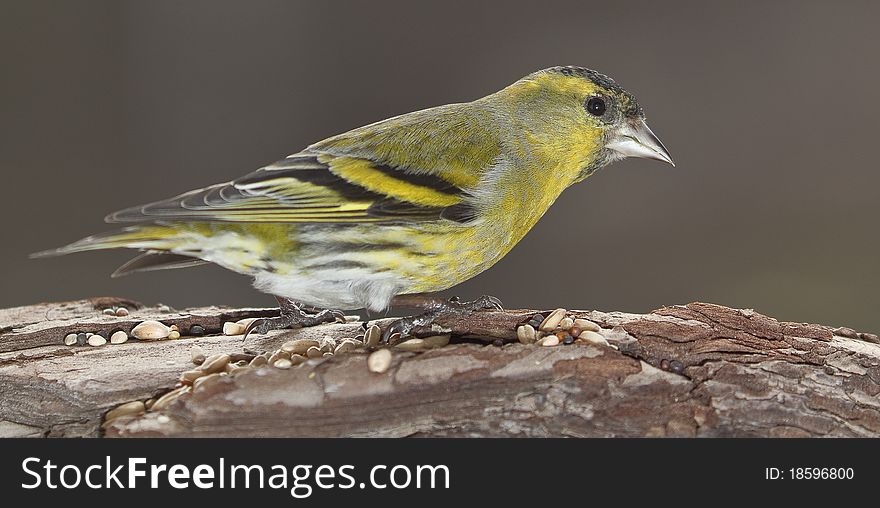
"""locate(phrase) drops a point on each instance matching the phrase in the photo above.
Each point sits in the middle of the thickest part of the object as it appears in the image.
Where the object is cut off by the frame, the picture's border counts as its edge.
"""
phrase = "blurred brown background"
(769, 108)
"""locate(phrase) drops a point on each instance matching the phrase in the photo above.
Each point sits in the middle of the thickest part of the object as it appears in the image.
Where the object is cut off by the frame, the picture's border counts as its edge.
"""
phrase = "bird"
(391, 213)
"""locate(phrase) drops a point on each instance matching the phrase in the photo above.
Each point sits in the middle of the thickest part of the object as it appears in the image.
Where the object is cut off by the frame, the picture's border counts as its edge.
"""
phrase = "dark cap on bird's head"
(627, 103)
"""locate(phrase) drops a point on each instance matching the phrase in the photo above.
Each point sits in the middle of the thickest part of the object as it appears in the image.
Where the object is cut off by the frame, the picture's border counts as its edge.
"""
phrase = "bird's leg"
(293, 315)
(434, 307)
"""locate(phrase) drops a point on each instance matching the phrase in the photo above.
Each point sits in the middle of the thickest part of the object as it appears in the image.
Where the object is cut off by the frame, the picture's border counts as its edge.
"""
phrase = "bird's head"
(580, 114)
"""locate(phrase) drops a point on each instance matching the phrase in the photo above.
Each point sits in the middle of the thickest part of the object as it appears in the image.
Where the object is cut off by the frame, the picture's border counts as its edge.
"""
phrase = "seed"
(379, 361)
(215, 363)
(394, 338)
(97, 340)
(198, 355)
(412, 345)
(526, 334)
(372, 336)
(197, 330)
(191, 375)
(121, 312)
(299, 346)
(314, 352)
(326, 354)
(206, 381)
(232, 370)
(174, 328)
(537, 317)
(277, 356)
(258, 361)
(165, 400)
(593, 337)
(150, 330)
(664, 364)
(81, 339)
(552, 321)
(118, 337)
(297, 359)
(844, 331)
(566, 323)
(568, 339)
(70, 339)
(676, 366)
(283, 363)
(174, 334)
(436, 341)
(129, 408)
(345, 346)
(149, 403)
(230, 328)
(246, 321)
(108, 312)
(585, 324)
(550, 340)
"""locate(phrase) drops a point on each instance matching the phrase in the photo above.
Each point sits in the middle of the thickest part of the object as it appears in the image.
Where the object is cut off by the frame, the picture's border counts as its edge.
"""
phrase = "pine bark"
(693, 370)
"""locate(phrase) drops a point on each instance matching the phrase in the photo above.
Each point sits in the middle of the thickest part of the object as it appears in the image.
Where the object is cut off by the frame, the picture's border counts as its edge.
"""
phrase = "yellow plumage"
(412, 204)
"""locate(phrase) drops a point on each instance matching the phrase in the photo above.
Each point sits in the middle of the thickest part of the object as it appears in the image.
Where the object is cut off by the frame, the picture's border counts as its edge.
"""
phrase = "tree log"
(692, 370)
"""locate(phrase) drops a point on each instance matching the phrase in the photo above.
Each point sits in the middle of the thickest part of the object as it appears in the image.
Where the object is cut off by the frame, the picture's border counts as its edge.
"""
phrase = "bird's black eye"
(596, 106)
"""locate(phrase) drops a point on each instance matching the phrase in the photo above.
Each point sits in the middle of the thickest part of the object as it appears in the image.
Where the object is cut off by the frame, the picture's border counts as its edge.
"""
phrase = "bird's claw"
(292, 317)
(405, 326)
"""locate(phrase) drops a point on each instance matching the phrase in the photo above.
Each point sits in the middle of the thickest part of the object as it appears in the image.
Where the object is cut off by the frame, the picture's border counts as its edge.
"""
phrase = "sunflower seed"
(283, 363)
(297, 359)
(345, 346)
(526, 334)
(236, 370)
(197, 330)
(593, 337)
(129, 408)
(314, 352)
(372, 336)
(379, 361)
(215, 363)
(97, 340)
(258, 361)
(206, 381)
(108, 312)
(299, 346)
(585, 324)
(552, 320)
(566, 323)
(70, 339)
(174, 335)
(150, 330)
(118, 337)
(149, 403)
(436, 341)
(277, 355)
(550, 340)
(412, 345)
(230, 328)
(246, 321)
(198, 355)
(167, 399)
(121, 312)
(191, 375)
(81, 339)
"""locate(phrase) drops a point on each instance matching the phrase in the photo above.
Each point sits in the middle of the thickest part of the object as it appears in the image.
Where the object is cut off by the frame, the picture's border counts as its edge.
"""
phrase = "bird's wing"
(359, 176)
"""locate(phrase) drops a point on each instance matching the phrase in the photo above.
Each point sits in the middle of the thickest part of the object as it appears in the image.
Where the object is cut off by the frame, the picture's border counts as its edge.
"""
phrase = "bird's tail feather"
(156, 241)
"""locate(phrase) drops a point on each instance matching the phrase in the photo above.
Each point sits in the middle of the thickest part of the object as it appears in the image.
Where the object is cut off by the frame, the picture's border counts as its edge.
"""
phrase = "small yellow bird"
(390, 212)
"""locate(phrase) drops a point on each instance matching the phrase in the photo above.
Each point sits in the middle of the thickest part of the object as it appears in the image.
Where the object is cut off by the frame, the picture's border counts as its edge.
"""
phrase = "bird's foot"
(293, 316)
(439, 308)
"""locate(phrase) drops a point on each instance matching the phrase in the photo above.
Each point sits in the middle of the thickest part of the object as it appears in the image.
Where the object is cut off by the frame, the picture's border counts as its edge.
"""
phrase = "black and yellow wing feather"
(358, 176)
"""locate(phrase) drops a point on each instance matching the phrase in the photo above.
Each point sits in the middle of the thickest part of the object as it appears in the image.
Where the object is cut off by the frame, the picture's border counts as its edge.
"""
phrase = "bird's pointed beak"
(635, 139)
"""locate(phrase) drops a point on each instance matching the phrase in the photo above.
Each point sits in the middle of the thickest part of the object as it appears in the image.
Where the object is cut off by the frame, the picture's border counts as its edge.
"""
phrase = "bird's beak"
(635, 139)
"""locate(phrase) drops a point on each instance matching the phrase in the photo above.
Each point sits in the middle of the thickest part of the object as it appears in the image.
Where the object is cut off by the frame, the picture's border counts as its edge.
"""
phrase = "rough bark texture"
(694, 370)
